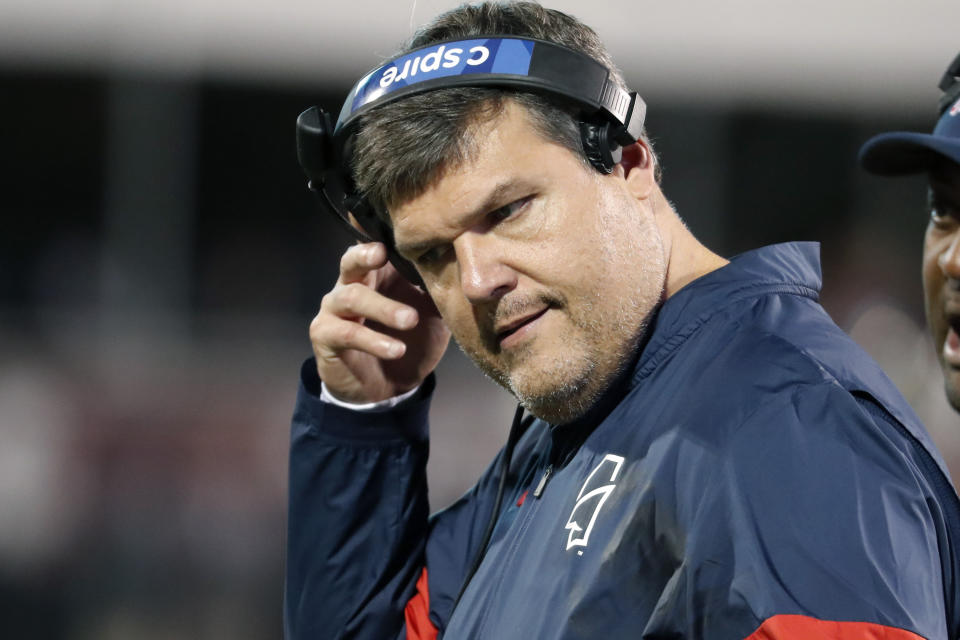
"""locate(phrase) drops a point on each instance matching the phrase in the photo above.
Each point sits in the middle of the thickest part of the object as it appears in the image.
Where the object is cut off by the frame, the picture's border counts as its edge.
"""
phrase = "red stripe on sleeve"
(792, 627)
(417, 613)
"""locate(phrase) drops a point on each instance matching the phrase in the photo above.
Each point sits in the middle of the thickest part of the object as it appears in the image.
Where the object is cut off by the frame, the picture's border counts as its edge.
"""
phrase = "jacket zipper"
(543, 481)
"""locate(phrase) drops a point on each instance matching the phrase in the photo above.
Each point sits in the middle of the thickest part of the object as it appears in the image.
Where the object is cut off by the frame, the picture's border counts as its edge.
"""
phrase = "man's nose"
(484, 276)
(949, 260)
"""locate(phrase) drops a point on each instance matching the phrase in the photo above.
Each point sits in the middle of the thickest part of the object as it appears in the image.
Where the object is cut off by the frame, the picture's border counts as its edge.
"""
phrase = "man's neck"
(687, 258)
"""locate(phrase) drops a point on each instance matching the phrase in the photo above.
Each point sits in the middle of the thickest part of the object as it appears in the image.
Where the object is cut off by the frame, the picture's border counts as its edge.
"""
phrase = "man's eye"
(507, 211)
(431, 256)
(944, 212)
(944, 215)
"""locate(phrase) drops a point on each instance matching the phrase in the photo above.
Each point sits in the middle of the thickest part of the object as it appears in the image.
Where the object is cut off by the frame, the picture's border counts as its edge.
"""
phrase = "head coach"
(938, 155)
(699, 452)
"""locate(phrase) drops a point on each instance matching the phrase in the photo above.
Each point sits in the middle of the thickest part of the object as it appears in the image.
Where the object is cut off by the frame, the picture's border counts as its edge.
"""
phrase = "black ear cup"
(330, 181)
(602, 152)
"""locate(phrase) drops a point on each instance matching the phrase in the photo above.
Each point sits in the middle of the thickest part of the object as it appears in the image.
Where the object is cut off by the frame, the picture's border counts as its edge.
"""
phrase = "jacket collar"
(791, 267)
(782, 268)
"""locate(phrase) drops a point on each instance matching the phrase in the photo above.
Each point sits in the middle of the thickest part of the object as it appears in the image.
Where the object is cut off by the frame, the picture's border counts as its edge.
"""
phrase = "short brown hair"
(402, 147)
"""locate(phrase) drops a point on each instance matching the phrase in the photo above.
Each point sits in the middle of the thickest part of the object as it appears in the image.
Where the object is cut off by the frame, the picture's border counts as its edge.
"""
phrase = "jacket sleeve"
(363, 560)
(818, 523)
(357, 516)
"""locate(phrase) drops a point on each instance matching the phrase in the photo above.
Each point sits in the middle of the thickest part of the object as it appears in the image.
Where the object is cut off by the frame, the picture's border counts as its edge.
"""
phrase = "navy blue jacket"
(758, 477)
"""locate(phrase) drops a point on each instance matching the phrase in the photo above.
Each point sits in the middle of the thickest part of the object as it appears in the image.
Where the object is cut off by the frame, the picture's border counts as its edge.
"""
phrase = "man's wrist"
(370, 407)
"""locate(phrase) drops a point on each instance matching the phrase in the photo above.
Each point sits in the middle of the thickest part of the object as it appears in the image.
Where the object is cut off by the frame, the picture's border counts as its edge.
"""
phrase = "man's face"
(941, 273)
(544, 269)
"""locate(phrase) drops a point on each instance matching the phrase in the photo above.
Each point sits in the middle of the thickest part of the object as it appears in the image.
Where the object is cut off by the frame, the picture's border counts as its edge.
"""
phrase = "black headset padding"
(600, 150)
(335, 190)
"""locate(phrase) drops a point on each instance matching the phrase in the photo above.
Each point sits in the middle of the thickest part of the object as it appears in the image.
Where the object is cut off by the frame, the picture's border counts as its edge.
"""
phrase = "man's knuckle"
(351, 295)
(320, 335)
(350, 333)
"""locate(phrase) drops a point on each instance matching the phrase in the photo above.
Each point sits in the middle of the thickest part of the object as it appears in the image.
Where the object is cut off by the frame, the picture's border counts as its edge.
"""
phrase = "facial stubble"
(605, 331)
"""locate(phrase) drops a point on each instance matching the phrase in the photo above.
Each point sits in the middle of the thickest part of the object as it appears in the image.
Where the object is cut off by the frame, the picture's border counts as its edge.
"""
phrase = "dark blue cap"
(902, 152)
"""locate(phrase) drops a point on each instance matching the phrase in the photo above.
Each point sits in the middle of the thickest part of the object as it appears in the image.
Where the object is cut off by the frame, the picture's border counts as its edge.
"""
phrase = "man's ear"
(638, 166)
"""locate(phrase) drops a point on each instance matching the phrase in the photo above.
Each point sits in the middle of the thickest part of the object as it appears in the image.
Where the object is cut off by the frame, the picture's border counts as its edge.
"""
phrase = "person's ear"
(639, 169)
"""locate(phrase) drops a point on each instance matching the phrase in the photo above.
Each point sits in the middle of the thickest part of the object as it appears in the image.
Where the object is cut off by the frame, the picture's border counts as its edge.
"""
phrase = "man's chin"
(558, 396)
(553, 388)
(557, 408)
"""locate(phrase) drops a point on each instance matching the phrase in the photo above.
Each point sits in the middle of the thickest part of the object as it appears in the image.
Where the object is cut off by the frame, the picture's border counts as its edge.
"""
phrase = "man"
(937, 155)
(710, 457)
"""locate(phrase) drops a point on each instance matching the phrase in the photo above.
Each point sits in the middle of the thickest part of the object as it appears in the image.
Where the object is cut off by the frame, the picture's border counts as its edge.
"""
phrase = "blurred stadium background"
(161, 259)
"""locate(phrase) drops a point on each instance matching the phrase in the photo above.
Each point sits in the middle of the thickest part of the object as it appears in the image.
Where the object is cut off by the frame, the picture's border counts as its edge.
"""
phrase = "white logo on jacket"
(590, 500)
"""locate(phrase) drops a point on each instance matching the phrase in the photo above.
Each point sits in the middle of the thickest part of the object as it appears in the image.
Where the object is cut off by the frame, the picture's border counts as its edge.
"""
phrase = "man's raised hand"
(376, 335)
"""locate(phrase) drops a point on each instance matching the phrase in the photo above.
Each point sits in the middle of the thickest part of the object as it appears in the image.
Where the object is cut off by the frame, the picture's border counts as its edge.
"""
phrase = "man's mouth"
(516, 325)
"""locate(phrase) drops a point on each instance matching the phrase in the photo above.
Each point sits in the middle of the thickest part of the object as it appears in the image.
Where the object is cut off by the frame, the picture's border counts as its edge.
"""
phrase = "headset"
(609, 117)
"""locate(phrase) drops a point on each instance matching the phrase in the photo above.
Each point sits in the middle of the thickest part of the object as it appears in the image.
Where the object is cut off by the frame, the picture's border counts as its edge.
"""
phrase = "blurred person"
(705, 455)
(938, 155)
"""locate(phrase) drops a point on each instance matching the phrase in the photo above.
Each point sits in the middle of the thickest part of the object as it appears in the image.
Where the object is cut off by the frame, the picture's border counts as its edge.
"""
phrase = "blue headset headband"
(532, 65)
(610, 117)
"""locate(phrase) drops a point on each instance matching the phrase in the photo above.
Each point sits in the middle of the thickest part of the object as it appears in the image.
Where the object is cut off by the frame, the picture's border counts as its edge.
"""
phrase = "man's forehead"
(504, 151)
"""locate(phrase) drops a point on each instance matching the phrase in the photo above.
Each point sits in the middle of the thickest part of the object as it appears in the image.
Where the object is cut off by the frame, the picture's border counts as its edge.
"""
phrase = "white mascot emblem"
(590, 500)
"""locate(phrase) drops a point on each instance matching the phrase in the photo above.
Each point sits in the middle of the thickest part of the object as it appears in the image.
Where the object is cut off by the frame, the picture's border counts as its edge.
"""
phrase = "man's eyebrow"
(497, 197)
